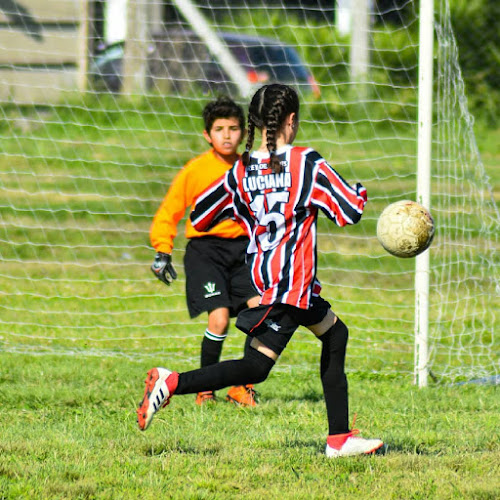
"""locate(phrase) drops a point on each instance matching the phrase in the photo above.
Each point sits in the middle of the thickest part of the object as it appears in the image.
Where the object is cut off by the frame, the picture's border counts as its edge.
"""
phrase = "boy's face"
(225, 136)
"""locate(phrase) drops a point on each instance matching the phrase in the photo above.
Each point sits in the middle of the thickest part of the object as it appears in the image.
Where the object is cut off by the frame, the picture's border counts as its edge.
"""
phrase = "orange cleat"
(242, 395)
(205, 397)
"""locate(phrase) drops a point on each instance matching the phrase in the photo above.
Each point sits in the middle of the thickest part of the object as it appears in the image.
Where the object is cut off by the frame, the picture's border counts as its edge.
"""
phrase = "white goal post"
(84, 165)
(424, 158)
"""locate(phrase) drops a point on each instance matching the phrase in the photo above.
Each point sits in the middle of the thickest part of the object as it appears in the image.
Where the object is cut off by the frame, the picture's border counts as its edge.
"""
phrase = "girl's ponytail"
(268, 110)
(245, 157)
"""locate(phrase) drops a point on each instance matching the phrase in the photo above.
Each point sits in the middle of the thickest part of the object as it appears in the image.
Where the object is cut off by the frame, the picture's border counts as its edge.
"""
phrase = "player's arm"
(341, 202)
(212, 206)
(164, 228)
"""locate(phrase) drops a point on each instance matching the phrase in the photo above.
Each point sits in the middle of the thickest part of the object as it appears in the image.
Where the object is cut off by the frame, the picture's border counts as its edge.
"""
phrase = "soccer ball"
(405, 229)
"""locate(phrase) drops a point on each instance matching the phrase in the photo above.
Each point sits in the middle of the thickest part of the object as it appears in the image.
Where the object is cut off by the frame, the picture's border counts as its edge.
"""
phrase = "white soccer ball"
(405, 229)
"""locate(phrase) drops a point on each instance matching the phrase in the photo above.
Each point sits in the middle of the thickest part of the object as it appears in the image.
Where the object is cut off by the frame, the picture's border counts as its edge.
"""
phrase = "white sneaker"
(346, 445)
(160, 386)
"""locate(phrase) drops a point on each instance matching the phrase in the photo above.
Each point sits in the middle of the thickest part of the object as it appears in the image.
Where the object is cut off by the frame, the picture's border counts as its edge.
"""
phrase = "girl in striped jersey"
(275, 193)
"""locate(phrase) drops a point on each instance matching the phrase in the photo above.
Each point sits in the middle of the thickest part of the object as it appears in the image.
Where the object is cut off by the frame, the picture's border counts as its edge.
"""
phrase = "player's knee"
(341, 331)
(335, 339)
(260, 365)
(334, 379)
(218, 325)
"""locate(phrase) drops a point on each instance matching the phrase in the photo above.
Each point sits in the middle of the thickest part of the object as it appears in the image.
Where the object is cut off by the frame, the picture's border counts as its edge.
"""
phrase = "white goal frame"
(422, 263)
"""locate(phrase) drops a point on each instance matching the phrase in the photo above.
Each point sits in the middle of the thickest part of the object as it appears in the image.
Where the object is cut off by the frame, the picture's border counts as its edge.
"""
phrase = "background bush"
(475, 24)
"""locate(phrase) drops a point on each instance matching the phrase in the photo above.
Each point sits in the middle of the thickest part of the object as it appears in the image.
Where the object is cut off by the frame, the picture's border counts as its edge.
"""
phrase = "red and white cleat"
(160, 386)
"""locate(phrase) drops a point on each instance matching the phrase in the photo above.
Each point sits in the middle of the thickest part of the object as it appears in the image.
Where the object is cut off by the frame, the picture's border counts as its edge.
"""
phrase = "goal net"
(93, 130)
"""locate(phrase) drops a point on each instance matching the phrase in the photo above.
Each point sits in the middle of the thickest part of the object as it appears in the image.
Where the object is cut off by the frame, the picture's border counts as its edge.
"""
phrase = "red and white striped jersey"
(279, 212)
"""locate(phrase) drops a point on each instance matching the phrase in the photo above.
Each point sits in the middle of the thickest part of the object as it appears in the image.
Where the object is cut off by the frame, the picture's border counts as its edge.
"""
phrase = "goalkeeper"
(217, 277)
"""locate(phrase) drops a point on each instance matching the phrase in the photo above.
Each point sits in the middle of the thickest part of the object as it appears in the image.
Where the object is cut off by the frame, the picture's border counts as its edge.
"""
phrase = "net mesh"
(85, 163)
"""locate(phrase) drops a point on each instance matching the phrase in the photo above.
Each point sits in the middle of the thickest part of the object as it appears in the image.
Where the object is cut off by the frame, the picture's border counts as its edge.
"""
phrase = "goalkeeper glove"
(163, 269)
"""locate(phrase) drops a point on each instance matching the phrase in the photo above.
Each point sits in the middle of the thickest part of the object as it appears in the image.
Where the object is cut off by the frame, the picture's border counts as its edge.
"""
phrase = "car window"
(281, 62)
(241, 54)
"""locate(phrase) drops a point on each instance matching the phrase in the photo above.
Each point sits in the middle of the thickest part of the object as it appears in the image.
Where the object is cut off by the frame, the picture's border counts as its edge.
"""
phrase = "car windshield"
(282, 63)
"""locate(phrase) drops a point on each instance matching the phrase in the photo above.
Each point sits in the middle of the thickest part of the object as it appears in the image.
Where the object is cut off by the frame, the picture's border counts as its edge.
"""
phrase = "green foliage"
(475, 24)
(396, 54)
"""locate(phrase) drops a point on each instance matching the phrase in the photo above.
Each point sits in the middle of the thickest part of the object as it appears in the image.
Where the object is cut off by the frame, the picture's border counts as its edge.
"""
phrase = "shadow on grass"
(185, 449)
(408, 449)
(311, 396)
(295, 444)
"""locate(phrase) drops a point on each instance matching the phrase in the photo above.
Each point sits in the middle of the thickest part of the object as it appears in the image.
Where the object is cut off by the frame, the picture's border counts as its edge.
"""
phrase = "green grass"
(69, 431)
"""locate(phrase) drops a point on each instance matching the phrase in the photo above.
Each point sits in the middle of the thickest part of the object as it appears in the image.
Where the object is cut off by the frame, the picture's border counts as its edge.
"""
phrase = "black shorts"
(217, 275)
(275, 324)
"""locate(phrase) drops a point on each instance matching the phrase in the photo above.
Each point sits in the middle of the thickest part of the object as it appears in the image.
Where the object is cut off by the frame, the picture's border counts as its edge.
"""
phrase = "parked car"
(179, 60)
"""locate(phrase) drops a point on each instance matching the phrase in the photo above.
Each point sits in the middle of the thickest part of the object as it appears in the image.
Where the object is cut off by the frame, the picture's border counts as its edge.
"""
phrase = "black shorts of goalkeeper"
(275, 324)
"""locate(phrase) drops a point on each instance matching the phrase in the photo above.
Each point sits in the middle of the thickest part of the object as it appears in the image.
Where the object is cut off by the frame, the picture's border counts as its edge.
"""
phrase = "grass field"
(82, 320)
(69, 431)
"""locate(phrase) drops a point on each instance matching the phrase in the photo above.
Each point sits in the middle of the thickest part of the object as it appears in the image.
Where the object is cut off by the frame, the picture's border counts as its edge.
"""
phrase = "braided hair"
(268, 109)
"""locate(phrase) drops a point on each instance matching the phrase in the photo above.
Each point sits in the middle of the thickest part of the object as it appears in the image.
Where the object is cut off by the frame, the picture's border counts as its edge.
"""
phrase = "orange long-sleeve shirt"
(196, 175)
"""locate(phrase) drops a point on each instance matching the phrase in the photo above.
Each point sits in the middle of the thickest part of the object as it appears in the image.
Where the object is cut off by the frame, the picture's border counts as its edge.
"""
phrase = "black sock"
(253, 368)
(210, 351)
(334, 379)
